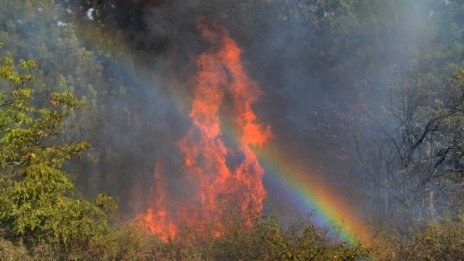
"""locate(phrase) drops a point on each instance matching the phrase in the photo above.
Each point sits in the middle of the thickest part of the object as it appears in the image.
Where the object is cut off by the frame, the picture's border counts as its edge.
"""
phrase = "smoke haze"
(319, 71)
(300, 55)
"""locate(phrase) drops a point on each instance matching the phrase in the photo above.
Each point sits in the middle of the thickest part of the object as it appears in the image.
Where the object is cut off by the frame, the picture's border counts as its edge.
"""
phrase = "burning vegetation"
(224, 177)
(231, 130)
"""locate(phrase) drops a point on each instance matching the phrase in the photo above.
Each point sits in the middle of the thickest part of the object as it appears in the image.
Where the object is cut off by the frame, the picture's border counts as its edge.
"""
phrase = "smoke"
(317, 65)
(287, 49)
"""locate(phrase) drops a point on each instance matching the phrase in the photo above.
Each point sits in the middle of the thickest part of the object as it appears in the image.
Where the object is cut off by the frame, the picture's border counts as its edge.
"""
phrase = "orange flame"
(158, 211)
(219, 183)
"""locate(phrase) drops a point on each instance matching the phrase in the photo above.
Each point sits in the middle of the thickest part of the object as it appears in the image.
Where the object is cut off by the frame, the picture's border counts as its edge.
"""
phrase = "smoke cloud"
(315, 71)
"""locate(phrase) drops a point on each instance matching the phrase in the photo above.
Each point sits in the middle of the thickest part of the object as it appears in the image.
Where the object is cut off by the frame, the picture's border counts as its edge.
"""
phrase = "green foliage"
(264, 241)
(268, 241)
(442, 240)
(435, 240)
(43, 31)
(36, 203)
(127, 242)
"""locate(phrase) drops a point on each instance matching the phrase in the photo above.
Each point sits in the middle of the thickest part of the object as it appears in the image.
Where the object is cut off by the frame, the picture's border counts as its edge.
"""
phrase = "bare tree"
(416, 157)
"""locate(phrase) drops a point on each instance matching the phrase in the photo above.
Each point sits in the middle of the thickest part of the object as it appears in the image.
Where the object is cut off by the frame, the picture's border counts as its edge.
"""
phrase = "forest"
(232, 130)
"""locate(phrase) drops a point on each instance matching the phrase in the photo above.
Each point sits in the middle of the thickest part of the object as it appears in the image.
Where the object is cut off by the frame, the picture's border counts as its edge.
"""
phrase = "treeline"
(399, 130)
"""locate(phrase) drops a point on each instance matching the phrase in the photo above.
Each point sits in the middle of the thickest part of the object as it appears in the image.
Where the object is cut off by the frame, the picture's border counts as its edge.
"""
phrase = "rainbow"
(306, 191)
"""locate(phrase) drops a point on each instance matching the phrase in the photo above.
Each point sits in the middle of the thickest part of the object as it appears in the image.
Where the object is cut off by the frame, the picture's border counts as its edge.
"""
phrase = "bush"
(266, 240)
(442, 240)
(12, 252)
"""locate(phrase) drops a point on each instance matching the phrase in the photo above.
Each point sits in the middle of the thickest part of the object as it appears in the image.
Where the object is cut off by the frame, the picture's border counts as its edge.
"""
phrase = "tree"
(36, 202)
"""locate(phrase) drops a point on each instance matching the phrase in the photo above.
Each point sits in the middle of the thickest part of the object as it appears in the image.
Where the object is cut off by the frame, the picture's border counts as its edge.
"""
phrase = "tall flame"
(225, 176)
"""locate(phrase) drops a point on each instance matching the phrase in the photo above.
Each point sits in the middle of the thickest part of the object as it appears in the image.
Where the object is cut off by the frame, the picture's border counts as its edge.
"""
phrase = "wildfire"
(158, 211)
(224, 176)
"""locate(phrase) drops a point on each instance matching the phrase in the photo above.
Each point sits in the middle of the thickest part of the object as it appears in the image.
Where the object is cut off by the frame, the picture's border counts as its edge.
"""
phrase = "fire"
(158, 212)
(225, 176)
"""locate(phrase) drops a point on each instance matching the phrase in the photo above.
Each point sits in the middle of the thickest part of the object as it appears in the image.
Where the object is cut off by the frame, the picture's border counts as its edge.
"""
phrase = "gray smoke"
(316, 70)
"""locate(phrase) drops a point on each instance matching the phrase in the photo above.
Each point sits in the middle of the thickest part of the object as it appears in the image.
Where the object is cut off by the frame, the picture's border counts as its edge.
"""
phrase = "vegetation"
(37, 206)
(399, 130)
(42, 220)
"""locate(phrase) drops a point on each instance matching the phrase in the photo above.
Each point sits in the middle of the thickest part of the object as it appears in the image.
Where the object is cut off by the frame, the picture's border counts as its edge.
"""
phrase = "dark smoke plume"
(295, 50)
